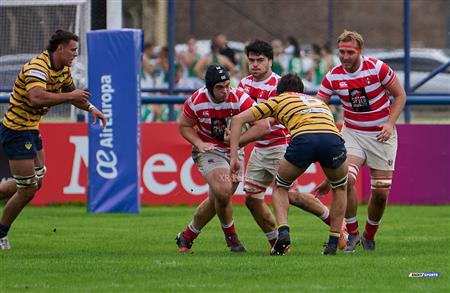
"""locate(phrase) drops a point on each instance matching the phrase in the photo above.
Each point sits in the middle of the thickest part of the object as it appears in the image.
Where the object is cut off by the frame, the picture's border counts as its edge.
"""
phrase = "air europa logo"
(106, 157)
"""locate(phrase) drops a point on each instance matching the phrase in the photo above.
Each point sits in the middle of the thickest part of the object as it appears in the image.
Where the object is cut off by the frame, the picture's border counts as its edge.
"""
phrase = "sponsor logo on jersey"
(38, 74)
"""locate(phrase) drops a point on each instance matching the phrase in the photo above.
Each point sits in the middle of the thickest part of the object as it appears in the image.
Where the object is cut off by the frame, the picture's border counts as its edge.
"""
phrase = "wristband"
(91, 107)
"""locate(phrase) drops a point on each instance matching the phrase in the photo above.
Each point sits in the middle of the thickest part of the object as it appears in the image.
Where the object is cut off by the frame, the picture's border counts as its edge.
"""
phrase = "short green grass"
(64, 249)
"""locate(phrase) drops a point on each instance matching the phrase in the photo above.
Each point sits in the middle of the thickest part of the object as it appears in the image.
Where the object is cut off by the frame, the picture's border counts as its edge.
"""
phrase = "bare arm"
(201, 64)
(397, 91)
(399, 102)
(236, 126)
(186, 127)
(87, 106)
(258, 129)
(39, 97)
(83, 105)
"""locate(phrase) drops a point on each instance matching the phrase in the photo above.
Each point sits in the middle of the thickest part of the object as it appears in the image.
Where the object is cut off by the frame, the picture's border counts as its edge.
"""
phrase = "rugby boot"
(352, 242)
(330, 249)
(282, 245)
(184, 245)
(4, 243)
(234, 244)
(367, 244)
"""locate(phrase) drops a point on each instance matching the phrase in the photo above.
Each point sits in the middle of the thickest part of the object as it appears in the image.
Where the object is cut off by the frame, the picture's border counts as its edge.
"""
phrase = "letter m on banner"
(114, 60)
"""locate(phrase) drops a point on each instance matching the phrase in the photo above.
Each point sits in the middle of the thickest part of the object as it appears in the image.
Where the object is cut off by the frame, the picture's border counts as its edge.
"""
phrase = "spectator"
(161, 112)
(148, 67)
(189, 59)
(278, 66)
(295, 63)
(221, 41)
(214, 57)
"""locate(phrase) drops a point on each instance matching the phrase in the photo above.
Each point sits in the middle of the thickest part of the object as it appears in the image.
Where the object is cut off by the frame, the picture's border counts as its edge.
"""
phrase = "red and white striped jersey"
(261, 91)
(212, 118)
(363, 93)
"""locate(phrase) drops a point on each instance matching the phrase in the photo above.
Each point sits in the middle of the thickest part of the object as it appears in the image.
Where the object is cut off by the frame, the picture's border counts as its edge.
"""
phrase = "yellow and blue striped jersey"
(299, 113)
(39, 71)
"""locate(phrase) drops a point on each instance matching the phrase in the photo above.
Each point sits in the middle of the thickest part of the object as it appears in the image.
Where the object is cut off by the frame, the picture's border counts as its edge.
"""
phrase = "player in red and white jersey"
(205, 117)
(364, 93)
(262, 89)
(262, 166)
(364, 84)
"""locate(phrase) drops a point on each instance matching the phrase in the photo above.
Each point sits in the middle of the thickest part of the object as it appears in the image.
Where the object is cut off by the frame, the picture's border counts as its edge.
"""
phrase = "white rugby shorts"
(217, 158)
(363, 144)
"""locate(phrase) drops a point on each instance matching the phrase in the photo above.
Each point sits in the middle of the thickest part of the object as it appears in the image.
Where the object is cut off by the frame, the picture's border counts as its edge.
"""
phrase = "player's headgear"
(215, 74)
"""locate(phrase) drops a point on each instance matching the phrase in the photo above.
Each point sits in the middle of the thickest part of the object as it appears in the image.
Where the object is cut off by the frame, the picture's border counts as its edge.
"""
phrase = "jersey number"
(310, 101)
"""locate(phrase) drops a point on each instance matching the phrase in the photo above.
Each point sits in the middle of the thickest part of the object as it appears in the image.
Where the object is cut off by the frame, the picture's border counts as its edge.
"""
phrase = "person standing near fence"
(363, 85)
(43, 82)
(203, 123)
(265, 158)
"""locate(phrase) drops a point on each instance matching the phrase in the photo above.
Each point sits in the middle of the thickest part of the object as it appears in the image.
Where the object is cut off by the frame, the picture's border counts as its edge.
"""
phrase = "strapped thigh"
(340, 182)
(26, 181)
(283, 183)
(353, 171)
(381, 182)
(40, 171)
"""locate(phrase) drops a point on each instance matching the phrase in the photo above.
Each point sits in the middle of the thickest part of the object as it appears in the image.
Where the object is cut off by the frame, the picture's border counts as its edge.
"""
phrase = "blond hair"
(348, 36)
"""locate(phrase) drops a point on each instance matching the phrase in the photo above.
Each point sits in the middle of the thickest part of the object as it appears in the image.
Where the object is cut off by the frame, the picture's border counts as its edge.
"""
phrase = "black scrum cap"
(215, 74)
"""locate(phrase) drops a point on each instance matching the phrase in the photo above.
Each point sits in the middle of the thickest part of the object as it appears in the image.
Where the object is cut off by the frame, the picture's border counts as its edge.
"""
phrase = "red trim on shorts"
(246, 183)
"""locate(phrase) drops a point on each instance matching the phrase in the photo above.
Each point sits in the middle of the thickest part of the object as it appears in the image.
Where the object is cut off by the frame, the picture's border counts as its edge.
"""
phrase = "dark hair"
(148, 45)
(259, 48)
(60, 37)
(293, 41)
(315, 48)
(290, 82)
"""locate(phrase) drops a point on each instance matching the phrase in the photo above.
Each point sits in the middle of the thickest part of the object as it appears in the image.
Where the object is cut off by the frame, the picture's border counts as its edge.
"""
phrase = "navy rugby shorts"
(20, 144)
(326, 148)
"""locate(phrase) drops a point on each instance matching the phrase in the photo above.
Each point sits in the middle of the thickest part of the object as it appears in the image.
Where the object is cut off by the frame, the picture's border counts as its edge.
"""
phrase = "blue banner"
(114, 62)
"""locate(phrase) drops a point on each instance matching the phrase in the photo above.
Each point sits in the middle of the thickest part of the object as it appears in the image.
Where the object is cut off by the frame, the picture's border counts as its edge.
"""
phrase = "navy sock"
(283, 228)
(333, 240)
(3, 230)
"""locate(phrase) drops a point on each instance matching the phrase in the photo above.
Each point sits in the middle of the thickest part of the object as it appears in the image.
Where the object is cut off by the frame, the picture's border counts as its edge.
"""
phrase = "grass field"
(62, 249)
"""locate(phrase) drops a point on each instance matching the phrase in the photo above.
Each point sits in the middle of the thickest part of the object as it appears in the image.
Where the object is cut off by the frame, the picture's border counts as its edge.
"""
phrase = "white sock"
(325, 214)
(373, 223)
(351, 220)
(193, 229)
(225, 226)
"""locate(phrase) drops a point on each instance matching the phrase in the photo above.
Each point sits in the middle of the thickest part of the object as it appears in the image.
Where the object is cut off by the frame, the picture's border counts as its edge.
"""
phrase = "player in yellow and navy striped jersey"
(299, 113)
(315, 138)
(43, 82)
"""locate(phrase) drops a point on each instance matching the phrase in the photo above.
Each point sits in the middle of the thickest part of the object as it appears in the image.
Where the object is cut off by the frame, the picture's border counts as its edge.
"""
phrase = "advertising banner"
(169, 176)
(422, 169)
(114, 151)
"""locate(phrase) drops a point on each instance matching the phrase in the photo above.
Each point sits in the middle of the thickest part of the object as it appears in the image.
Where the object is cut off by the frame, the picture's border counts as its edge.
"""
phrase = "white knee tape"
(282, 183)
(25, 181)
(40, 171)
(340, 182)
(381, 183)
(353, 171)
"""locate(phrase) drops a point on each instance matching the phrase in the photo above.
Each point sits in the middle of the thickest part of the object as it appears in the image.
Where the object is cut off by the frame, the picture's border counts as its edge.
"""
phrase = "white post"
(113, 14)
